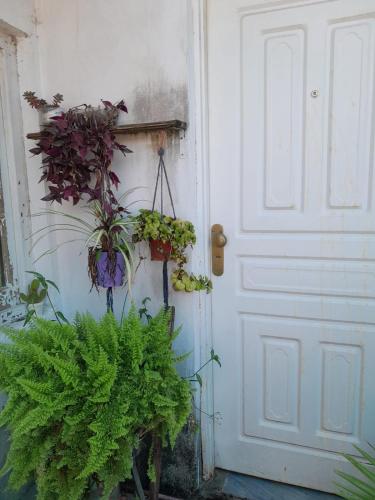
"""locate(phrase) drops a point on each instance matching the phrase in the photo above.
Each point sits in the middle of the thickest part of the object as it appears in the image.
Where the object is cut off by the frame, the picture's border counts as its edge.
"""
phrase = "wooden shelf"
(136, 128)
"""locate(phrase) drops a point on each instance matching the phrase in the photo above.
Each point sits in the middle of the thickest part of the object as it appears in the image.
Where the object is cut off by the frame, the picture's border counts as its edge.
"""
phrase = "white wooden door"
(291, 148)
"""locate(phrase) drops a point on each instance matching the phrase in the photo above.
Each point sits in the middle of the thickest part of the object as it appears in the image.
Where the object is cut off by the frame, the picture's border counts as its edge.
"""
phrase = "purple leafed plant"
(41, 104)
(78, 148)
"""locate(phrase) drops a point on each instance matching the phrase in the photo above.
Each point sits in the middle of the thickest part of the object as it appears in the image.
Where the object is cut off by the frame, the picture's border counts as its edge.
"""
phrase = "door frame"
(198, 111)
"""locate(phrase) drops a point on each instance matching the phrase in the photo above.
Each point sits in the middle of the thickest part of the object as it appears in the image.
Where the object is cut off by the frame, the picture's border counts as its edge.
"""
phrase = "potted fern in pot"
(81, 398)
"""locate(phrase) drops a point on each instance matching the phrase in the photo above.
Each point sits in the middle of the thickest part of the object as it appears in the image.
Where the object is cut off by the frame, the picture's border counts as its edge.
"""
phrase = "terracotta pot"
(105, 278)
(160, 250)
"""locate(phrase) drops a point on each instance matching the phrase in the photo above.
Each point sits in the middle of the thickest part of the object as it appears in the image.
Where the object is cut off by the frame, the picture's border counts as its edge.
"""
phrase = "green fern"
(81, 396)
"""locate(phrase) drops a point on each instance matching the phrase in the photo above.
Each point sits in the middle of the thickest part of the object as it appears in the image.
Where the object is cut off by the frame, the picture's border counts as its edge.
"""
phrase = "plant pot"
(122, 119)
(50, 112)
(106, 278)
(160, 250)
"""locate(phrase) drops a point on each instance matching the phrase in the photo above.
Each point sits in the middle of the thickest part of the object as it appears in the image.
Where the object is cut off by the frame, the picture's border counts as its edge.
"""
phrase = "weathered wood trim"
(137, 128)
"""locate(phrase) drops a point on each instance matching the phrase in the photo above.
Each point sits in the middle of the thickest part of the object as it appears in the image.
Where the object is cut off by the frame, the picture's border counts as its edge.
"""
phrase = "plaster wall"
(137, 50)
(18, 15)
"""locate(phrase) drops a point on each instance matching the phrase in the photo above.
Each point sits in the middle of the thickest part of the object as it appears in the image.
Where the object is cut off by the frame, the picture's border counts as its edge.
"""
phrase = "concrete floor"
(225, 486)
(230, 485)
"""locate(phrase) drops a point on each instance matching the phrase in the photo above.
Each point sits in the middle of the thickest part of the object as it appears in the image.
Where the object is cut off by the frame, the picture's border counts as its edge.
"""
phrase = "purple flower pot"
(106, 278)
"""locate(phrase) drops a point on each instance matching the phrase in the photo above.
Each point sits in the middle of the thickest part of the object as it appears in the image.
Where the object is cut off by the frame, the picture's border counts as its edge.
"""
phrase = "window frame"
(14, 194)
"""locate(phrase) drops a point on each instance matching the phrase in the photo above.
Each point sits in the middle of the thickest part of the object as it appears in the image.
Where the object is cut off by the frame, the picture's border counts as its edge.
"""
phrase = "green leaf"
(24, 298)
(53, 284)
(34, 285)
(217, 360)
(40, 277)
(365, 455)
(199, 379)
(365, 488)
(30, 313)
(361, 467)
(61, 316)
(182, 357)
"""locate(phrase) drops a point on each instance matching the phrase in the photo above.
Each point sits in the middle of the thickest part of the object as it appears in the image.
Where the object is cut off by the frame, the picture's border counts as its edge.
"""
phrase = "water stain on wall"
(159, 101)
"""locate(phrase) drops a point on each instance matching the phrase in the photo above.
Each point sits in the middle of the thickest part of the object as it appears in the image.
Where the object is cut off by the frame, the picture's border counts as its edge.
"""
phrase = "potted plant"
(81, 398)
(166, 235)
(78, 147)
(110, 247)
(169, 238)
(106, 234)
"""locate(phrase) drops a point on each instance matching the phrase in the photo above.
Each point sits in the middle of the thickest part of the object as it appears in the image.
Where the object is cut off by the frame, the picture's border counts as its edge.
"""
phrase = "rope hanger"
(161, 176)
(162, 173)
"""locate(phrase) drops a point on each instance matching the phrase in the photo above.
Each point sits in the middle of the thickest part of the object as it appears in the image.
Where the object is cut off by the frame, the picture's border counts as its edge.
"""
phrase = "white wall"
(18, 15)
(137, 50)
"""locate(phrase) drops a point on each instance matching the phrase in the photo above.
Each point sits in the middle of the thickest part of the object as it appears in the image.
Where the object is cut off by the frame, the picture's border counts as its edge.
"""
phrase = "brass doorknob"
(220, 240)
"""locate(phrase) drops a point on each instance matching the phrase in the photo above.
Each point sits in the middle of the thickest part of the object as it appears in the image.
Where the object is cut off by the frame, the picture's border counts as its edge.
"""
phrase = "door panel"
(291, 143)
(288, 361)
(283, 124)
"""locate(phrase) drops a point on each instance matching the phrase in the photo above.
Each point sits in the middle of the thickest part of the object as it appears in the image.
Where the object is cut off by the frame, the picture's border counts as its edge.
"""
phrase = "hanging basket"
(160, 250)
(107, 278)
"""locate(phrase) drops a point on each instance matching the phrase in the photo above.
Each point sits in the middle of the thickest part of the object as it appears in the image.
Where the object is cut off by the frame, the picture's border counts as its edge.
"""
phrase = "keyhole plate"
(217, 251)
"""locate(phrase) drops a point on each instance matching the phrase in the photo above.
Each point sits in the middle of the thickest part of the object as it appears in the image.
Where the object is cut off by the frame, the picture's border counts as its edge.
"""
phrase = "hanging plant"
(183, 281)
(110, 247)
(169, 238)
(78, 147)
(107, 235)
